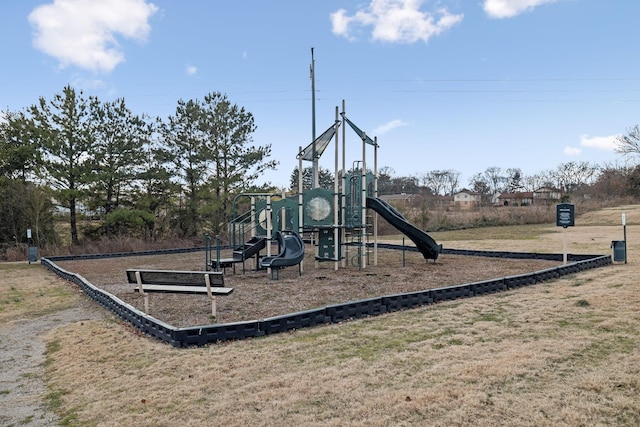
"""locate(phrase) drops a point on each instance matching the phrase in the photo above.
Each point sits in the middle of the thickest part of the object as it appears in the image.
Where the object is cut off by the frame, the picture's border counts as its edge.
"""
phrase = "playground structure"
(334, 220)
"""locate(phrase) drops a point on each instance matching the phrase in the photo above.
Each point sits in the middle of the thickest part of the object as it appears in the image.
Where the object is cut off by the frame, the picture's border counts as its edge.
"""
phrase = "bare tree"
(452, 181)
(613, 181)
(572, 175)
(534, 182)
(436, 180)
(479, 184)
(495, 179)
(629, 144)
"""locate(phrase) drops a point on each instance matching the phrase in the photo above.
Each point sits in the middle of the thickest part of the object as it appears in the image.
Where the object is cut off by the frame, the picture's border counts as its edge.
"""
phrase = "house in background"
(467, 199)
(520, 198)
(546, 195)
(541, 196)
(402, 200)
(439, 201)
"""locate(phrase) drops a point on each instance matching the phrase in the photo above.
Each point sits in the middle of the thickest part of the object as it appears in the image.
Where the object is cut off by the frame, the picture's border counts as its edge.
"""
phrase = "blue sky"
(443, 84)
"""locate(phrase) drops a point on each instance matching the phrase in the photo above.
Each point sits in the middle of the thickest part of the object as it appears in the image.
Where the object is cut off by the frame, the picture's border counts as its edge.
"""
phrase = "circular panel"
(318, 208)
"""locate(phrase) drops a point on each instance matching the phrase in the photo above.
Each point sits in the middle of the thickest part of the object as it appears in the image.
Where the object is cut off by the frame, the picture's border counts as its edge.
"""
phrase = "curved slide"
(425, 244)
(291, 251)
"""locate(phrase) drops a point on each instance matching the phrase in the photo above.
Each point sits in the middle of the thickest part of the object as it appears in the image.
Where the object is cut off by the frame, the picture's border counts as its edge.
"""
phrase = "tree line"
(157, 178)
(153, 177)
(572, 178)
(569, 178)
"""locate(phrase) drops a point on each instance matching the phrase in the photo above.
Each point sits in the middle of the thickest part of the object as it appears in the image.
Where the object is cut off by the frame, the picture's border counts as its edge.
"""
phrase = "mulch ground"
(257, 296)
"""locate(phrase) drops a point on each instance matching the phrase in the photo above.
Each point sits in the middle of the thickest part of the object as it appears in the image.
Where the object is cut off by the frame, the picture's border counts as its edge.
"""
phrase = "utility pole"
(314, 167)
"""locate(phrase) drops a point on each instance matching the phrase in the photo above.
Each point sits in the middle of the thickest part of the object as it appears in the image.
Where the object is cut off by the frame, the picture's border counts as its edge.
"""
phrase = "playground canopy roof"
(317, 147)
(359, 132)
(321, 143)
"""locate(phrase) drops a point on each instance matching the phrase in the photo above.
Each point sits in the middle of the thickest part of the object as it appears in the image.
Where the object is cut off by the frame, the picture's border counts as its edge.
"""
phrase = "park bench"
(209, 282)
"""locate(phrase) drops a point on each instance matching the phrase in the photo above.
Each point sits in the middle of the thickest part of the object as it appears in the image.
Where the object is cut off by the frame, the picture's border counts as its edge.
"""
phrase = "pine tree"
(63, 130)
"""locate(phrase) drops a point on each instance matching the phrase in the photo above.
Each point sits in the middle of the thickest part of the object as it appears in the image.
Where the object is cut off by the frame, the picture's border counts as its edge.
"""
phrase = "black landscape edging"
(128, 254)
(209, 334)
(288, 322)
(495, 254)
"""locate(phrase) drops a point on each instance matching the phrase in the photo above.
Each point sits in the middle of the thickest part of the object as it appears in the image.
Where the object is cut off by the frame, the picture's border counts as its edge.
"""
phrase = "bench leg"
(207, 281)
(141, 290)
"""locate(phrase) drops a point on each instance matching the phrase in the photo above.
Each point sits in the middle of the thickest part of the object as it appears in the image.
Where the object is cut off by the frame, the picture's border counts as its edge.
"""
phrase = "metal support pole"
(363, 201)
(624, 234)
(404, 249)
(314, 168)
(336, 214)
(300, 202)
(564, 245)
(375, 195)
(269, 231)
(344, 189)
(207, 252)
(253, 223)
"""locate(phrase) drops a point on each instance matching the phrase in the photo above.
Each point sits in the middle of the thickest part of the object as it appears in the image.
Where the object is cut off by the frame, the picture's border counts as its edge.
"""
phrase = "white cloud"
(191, 70)
(572, 151)
(79, 80)
(83, 32)
(396, 21)
(604, 143)
(389, 126)
(511, 8)
(340, 23)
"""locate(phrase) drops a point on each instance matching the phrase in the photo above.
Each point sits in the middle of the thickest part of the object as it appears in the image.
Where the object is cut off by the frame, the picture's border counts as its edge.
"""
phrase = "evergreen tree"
(325, 178)
(236, 162)
(120, 140)
(209, 145)
(64, 134)
(154, 189)
(19, 156)
(514, 180)
(184, 140)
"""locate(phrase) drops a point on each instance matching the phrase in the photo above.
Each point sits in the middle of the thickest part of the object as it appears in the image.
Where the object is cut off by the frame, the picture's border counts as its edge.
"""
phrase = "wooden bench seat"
(177, 281)
(175, 277)
(184, 288)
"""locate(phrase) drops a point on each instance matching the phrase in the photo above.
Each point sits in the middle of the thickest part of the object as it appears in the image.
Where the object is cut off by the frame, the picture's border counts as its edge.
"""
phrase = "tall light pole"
(314, 167)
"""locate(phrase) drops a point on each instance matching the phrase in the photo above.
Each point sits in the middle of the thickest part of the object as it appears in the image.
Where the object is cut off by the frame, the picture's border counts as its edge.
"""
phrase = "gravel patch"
(22, 357)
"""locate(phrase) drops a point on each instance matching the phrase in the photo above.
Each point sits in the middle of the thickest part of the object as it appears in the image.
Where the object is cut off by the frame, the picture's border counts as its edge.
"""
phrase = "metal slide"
(425, 244)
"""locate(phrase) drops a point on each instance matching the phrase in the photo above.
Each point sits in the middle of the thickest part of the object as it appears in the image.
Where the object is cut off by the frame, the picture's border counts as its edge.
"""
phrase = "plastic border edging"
(209, 334)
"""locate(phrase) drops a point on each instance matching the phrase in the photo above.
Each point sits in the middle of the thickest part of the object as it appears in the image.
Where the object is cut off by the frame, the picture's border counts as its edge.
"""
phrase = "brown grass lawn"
(566, 352)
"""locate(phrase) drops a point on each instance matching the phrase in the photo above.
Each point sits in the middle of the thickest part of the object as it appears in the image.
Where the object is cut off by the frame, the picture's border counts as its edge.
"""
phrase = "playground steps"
(250, 248)
(239, 254)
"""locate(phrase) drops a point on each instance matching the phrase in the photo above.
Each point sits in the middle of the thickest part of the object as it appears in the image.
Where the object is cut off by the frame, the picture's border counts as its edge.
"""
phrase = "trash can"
(619, 250)
(33, 254)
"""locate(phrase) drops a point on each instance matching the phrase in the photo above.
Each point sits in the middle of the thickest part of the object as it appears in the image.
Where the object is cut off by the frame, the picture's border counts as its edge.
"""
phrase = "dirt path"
(22, 349)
